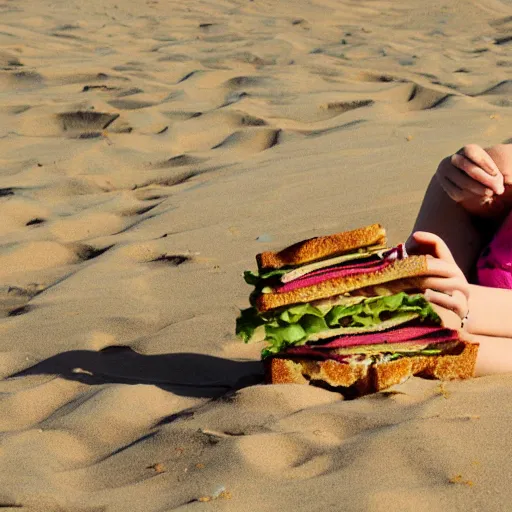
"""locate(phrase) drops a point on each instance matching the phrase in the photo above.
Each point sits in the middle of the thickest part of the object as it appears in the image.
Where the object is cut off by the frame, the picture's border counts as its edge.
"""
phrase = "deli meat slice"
(374, 263)
(428, 334)
(320, 276)
(419, 334)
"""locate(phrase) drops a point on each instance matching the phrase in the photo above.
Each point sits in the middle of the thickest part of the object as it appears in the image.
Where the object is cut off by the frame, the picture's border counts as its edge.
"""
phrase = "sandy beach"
(148, 151)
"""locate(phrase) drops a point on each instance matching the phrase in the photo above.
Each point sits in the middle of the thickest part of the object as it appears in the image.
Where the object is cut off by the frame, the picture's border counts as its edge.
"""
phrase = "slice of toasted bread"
(321, 247)
(360, 379)
(408, 267)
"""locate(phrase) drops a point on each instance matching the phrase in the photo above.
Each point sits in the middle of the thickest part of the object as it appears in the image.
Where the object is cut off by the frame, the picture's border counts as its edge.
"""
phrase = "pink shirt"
(494, 266)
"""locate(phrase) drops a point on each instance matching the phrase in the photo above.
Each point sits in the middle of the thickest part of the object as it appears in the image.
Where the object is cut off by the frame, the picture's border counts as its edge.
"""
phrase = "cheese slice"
(396, 348)
(382, 326)
(306, 269)
(382, 347)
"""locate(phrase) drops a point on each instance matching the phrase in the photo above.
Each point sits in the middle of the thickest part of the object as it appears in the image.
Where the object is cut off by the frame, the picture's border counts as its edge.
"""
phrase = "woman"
(465, 224)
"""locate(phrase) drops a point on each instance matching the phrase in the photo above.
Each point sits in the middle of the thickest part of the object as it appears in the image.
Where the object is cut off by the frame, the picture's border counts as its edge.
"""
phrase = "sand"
(148, 150)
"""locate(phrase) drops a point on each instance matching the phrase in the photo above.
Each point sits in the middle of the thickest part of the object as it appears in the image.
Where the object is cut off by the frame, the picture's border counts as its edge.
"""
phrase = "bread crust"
(412, 266)
(318, 248)
(360, 379)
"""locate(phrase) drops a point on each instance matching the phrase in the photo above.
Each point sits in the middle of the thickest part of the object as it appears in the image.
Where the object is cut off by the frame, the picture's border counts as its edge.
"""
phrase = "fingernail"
(500, 190)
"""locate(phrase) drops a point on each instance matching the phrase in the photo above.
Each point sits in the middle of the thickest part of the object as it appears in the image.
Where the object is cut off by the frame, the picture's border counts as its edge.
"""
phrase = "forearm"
(494, 354)
(490, 311)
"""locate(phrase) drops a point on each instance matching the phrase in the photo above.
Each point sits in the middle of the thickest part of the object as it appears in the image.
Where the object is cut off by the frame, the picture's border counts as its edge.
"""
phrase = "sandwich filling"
(288, 274)
(345, 298)
(369, 354)
(299, 324)
(382, 346)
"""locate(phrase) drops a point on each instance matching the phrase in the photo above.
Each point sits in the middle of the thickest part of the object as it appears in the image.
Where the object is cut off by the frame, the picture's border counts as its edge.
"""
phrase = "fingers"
(433, 245)
(456, 302)
(472, 172)
(447, 175)
(459, 195)
(443, 265)
(471, 178)
(446, 286)
(480, 157)
(453, 191)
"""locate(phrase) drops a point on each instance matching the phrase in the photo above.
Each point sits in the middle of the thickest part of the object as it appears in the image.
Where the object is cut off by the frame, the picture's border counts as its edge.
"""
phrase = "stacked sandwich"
(344, 311)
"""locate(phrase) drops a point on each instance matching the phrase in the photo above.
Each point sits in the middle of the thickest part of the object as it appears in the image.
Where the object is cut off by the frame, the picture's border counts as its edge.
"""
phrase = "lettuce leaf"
(370, 311)
(247, 323)
(293, 325)
(256, 279)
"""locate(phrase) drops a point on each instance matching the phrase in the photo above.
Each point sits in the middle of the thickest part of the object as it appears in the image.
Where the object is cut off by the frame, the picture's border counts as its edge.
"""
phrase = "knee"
(502, 156)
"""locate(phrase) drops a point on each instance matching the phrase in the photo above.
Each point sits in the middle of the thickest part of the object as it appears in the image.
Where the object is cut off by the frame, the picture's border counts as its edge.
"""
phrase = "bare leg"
(466, 235)
(441, 215)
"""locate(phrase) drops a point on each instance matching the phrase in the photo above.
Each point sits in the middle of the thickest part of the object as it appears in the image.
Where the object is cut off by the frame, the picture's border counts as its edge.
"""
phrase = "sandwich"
(344, 311)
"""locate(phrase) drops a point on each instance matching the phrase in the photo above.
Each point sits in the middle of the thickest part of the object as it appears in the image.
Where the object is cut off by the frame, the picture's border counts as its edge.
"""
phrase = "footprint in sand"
(245, 82)
(14, 299)
(155, 252)
(85, 121)
(8, 191)
(340, 107)
(131, 104)
(104, 88)
(172, 260)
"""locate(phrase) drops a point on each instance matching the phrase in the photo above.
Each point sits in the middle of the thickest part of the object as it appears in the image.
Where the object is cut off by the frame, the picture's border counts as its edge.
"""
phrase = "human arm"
(489, 321)
(479, 180)
(447, 287)
(494, 354)
(466, 226)
(491, 311)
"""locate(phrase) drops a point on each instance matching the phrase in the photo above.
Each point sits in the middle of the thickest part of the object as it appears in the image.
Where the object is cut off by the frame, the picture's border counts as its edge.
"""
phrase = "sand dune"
(148, 151)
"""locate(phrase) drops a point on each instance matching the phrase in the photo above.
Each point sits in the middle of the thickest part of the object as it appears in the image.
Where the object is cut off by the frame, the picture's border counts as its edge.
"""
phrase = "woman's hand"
(446, 286)
(470, 176)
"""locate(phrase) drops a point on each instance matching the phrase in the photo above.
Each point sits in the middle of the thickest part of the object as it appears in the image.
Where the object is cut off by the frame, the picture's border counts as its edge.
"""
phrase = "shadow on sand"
(185, 374)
